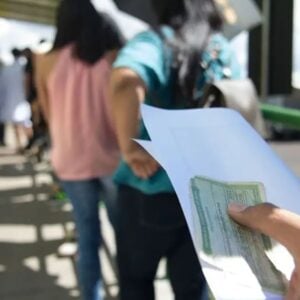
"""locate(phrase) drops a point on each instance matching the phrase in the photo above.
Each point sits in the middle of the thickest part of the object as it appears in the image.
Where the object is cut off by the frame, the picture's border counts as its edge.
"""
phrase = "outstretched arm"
(127, 91)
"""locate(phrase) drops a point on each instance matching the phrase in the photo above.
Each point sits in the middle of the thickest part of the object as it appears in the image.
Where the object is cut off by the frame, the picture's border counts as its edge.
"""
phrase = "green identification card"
(222, 241)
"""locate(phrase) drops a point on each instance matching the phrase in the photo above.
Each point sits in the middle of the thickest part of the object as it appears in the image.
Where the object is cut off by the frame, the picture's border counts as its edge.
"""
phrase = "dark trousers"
(151, 227)
(2, 128)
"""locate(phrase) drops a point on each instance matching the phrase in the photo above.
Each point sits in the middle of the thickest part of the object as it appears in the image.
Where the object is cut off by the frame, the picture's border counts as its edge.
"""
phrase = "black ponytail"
(193, 22)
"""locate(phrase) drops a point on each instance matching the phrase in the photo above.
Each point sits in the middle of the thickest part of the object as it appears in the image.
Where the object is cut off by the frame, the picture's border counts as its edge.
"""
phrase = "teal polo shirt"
(150, 59)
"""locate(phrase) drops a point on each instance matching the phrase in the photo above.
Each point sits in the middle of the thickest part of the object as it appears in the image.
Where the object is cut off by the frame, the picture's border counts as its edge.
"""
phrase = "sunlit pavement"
(32, 227)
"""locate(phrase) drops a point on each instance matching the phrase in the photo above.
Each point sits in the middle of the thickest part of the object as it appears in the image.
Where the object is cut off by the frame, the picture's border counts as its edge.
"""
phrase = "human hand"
(279, 224)
(141, 162)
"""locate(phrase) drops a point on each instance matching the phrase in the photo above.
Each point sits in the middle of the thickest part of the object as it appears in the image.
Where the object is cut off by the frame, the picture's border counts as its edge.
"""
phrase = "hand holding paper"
(281, 225)
(219, 144)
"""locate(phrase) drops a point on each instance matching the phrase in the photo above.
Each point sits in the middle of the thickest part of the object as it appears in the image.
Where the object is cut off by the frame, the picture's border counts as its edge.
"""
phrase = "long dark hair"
(93, 34)
(193, 22)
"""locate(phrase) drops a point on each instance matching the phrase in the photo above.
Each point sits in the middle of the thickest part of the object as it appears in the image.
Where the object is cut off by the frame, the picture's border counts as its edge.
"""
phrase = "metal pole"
(265, 42)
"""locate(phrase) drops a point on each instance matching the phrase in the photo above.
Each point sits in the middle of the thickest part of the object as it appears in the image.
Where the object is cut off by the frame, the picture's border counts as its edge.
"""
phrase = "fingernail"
(235, 207)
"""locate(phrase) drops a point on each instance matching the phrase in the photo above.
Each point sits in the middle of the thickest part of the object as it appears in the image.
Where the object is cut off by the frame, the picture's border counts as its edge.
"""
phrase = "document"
(193, 145)
(220, 239)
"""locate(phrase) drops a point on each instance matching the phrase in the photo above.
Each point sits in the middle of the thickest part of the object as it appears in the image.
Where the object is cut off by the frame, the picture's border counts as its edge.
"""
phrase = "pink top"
(83, 140)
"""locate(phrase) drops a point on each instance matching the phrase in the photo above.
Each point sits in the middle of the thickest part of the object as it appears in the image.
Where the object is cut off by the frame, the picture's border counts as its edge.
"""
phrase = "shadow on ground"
(29, 266)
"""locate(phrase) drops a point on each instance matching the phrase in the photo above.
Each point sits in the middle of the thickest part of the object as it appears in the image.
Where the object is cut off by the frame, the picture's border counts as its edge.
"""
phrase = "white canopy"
(19, 34)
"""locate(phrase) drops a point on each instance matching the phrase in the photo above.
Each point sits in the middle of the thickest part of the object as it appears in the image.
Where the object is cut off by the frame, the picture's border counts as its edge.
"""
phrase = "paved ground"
(290, 153)
(32, 227)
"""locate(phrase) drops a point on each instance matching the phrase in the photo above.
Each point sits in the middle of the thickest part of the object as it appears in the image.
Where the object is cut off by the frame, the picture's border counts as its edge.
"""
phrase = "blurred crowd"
(18, 100)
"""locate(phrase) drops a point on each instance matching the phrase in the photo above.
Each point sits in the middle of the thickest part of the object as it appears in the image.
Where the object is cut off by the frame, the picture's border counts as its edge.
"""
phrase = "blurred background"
(25, 23)
(37, 237)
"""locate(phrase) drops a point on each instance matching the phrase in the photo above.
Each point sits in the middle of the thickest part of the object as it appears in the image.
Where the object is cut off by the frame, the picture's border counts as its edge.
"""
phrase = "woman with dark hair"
(165, 67)
(72, 82)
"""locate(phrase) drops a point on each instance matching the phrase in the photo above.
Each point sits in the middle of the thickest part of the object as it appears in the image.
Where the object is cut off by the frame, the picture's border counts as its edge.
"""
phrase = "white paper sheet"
(219, 144)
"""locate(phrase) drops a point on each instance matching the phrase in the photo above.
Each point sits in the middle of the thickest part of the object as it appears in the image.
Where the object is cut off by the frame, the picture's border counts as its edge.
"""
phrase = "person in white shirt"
(14, 107)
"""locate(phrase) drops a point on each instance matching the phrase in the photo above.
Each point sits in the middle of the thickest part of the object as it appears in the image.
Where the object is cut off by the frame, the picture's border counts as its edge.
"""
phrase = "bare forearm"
(126, 95)
(280, 224)
(284, 226)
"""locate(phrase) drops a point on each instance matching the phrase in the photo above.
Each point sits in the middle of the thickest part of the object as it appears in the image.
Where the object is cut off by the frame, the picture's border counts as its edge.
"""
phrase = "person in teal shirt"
(147, 56)
(167, 68)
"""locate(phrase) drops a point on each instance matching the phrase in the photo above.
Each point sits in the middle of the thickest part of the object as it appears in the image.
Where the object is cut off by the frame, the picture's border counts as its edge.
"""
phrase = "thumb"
(240, 214)
(266, 218)
(254, 217)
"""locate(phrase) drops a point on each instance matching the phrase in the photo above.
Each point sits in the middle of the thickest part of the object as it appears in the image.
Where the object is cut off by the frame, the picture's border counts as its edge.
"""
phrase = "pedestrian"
(2, 135)
(31, 95)
(72, 82)
(14, 107)
(2, 125)
(166, 67)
